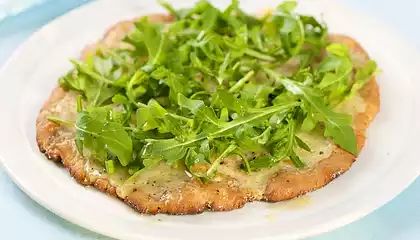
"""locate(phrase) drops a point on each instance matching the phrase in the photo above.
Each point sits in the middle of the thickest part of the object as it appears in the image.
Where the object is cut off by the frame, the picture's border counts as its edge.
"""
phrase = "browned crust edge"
(196, 197)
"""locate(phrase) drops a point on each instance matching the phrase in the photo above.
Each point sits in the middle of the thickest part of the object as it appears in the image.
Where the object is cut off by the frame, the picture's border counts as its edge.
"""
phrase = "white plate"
(387, 164)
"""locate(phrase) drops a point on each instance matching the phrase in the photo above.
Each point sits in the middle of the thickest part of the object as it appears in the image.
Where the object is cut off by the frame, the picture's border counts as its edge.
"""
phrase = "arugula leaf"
(363, 76)
(169, 7)
(338, 125)
(288, 6)
(251, 139)
(154, 39)
(338, 49)
(97, 88)
(100, 135)
(285, 147)
(103, 66)
(121, 99)
(256, 38)
(228, 100)
(98, 95)
(169, 149)
(224, 115)
(302, 144)
(199, 109)
(292, 30)
(339, 128)
(309, 123)
(90, 72)
(200, 65)
(315, 33)
(255, 115)
(256, 95)
(176, 82)
(154, 116)
(231, 9)
(335, 71)
(136, 87)
(209, 18)
(261, 162)
(179, 126)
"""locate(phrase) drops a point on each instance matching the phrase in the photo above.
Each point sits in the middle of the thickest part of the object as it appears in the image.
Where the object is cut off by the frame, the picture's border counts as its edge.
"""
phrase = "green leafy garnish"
(100, 134)
(208, 86)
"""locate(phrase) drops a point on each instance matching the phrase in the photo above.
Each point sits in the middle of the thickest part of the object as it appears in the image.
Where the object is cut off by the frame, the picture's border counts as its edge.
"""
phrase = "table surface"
(22, 218)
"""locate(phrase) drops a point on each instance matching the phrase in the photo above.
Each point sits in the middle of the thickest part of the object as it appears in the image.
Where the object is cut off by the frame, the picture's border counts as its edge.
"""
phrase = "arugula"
(175, 149)
(206, 87)
(337, 125)
(101, 136)
(154, 39)
(283, 147)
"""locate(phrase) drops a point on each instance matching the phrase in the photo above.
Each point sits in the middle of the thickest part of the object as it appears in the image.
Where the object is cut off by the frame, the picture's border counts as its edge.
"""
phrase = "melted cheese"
(254, 182)
(321, 148)
(157, 181)
(353, 106)
(66, 107)
(93, 170)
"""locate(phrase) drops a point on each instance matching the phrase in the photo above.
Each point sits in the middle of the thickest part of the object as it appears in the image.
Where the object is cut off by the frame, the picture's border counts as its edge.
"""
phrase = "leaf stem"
(238, 85)
(180, 117)
(261, 56)
(60, 121)
(216, 162)
(119, 58)
(137, 78)
(268, 111)
(81, 67)
(244, 158)
(79, 103)
(199, 93)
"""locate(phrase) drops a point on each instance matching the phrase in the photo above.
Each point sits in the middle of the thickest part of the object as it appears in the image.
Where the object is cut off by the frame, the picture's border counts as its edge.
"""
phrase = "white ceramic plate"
(387, 164)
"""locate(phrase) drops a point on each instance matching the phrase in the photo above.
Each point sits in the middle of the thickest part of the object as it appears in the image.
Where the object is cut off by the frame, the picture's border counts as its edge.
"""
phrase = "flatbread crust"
(191, 196)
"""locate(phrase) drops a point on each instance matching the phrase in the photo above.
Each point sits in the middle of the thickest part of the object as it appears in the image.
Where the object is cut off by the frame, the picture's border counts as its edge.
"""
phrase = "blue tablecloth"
(22, 218)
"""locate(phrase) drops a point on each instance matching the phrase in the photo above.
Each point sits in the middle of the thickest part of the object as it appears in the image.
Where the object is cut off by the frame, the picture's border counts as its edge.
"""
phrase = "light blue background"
(22, 218)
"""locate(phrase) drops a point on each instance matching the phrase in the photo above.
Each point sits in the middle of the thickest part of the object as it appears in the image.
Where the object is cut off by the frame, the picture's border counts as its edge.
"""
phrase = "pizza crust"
(191, 196)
